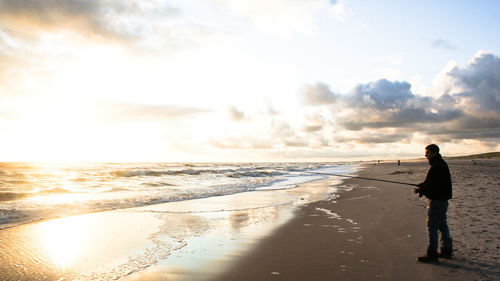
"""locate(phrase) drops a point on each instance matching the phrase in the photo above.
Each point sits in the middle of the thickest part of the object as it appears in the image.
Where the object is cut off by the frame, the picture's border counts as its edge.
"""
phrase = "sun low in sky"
(241, 80)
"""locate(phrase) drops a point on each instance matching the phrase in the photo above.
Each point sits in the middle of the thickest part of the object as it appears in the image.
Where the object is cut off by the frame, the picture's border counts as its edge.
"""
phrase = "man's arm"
(424, 187)
(421, 189)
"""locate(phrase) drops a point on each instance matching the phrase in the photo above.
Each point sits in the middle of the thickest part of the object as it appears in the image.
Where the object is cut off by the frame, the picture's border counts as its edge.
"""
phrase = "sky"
(247, 80)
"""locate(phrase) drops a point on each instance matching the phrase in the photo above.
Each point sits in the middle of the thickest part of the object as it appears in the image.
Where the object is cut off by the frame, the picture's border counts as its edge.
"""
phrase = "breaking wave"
(30, 192)
(8, 196)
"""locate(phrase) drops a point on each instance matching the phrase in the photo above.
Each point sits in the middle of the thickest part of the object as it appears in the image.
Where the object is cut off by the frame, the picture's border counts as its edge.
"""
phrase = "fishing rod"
(363, 178)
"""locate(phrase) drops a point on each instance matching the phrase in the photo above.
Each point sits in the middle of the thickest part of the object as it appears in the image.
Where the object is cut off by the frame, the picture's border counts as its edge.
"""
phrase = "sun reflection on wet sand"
(65, 241)
(175, 240)
(97, 246)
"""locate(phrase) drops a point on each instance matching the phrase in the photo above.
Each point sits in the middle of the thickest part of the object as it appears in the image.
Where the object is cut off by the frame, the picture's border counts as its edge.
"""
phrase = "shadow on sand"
(463, 264)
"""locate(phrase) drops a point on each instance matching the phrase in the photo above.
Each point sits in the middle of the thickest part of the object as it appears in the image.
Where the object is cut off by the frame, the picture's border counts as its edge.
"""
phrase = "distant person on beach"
(437, 188)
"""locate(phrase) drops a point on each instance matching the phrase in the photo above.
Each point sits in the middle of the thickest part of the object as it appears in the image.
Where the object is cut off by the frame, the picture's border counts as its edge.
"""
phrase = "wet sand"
(185, 240)
(376, 231)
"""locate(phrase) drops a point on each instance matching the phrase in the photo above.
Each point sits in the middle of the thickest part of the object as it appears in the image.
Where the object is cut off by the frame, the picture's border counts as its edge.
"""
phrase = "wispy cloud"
(339, 11)
(442, 43)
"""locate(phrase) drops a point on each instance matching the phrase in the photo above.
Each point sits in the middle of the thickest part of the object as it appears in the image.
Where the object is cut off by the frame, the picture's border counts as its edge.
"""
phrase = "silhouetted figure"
(437, 188)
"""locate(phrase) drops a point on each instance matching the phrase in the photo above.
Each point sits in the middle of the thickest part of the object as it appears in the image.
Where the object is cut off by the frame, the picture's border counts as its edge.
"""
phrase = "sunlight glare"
(65, 240)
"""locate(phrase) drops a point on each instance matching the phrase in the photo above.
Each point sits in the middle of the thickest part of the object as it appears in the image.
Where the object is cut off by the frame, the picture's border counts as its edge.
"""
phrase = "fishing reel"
(418, 191)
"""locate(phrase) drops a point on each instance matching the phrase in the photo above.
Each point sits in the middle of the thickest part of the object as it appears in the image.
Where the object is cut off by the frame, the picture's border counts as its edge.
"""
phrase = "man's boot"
(429, 257)
(445, 254)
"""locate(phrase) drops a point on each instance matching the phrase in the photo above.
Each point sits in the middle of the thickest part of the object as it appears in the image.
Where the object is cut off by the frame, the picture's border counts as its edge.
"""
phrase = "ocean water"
(31, 192)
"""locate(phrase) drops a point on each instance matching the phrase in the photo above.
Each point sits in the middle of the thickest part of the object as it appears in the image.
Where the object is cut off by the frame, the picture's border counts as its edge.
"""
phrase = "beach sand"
(367, 231)
(376, 231)
(184, 240)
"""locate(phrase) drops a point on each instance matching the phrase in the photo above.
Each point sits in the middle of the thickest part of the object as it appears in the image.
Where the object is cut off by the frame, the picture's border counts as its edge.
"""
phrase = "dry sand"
(376, 231)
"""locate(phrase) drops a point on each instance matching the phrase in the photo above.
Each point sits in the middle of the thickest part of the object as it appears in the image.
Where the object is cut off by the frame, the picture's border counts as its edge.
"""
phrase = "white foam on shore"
(329, 213)
(33, 192)
(194, 236)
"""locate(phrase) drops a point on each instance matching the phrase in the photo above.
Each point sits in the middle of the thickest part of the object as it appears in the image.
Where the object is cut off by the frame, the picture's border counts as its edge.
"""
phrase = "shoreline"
(367, 231)
(375, 232)
(248, 238)
(184, 240)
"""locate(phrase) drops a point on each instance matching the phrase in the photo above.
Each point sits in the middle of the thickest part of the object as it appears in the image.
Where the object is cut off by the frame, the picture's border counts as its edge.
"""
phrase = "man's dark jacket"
(437, 184)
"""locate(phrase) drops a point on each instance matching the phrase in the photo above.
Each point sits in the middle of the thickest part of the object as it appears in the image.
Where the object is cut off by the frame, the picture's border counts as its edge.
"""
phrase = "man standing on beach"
(437, 188)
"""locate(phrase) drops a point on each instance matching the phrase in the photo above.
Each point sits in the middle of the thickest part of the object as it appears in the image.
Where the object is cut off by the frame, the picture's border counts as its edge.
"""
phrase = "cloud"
(387, 104)
(409, 117)
(475, 89)
(370, 138)
(318, 94)
(383, 113)
(242, 142)
(312, 128)
(103, 18)
(235, 114)
(137, 25)
(468, 106)
(281, 129)
(313, 123)
(480, 81)
(296, 143)
(382, 94)
(126, 112)
(441, 43)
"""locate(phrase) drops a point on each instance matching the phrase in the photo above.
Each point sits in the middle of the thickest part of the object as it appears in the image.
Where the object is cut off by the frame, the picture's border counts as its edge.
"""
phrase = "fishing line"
(362, 178)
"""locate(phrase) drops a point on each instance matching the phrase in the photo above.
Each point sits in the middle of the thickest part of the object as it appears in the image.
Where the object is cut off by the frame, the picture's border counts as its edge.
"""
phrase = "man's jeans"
(436, 221)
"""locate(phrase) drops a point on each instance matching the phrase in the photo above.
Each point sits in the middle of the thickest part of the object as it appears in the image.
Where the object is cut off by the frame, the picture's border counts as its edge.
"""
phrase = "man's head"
(431, 151)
